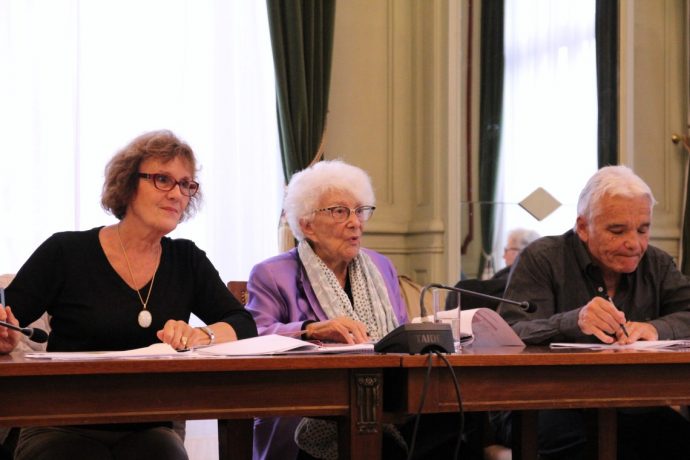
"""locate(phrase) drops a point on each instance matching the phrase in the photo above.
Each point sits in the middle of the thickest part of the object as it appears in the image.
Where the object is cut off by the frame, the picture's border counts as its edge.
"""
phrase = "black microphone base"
(418, 338)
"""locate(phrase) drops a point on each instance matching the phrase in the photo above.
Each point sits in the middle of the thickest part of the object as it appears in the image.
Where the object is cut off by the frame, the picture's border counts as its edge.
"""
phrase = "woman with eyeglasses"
(125, 286)
(328, 288)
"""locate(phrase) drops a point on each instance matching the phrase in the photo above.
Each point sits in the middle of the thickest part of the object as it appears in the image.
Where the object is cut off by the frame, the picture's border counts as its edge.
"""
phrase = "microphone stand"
(33, 333)
(525, 305)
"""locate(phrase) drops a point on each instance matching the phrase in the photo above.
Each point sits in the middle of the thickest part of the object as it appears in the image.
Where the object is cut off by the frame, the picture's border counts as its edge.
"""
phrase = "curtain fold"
(302, 41)
(685, 235)
(606, 33)
(491, 108)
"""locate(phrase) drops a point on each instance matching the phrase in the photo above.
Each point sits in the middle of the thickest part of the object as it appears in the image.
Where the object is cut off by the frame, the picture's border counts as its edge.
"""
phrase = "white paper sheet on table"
(264, 345)
(157, 350)
(277, 344)
(639, 345)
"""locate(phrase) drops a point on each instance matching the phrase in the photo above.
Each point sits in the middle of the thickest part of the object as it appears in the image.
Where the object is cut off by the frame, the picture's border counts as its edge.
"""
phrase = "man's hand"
(602, 319)
(637, 331)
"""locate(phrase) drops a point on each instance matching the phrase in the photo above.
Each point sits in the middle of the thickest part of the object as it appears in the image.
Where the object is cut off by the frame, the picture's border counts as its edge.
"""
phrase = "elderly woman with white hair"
(328, 288)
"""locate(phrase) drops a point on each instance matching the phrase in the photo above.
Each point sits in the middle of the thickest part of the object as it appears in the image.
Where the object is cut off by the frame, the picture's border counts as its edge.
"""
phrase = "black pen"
(625, 331)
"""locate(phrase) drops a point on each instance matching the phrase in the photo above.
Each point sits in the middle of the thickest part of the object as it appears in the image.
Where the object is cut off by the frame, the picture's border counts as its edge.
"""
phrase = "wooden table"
(346, 387)
(538, 378)
(351, 388)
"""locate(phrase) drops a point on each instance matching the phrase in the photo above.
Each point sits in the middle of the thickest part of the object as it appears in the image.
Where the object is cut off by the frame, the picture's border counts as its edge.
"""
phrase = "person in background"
(329, 288)
(518, 239)
(603, 282)
(125, 286)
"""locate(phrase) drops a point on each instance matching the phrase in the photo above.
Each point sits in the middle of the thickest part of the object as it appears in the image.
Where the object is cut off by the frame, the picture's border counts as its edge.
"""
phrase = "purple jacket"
(281, 299)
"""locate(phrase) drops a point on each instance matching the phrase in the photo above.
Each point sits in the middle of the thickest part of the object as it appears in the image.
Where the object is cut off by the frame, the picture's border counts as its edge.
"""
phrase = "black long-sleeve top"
(93, 308)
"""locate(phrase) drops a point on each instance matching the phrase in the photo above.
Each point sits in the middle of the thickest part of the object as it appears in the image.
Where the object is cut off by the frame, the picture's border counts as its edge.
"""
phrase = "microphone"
(33, 333)
(426, 337)
(525, 305)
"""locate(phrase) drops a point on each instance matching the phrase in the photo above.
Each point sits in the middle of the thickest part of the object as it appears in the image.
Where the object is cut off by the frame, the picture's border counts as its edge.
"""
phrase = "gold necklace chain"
(129, 267)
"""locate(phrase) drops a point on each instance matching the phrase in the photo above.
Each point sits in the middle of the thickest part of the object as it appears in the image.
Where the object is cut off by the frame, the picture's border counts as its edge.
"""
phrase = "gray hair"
(307, 187)
(612, 181)
(522, 237)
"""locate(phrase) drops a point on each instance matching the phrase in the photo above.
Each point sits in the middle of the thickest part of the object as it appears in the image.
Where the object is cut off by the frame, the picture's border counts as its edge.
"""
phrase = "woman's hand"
(179, 335)
(8, 337)
(341, 329)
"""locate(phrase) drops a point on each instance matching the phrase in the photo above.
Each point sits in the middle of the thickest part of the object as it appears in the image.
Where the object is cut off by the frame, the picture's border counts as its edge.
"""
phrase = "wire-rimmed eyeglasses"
(166, 183)
(342, 213)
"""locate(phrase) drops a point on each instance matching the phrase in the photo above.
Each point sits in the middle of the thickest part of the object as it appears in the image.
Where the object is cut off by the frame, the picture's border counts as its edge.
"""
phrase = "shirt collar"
(587, 266)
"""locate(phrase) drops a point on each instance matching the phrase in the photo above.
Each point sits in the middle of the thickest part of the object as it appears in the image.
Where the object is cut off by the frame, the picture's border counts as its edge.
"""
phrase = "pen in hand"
(625, 331)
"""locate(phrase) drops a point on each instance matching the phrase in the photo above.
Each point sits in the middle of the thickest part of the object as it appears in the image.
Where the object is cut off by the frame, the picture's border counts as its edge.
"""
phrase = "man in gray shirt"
(602, 282)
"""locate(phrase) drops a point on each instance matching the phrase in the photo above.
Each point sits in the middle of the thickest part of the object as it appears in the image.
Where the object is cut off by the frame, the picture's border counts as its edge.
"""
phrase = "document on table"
(263, 345)
(639, 345)
(274, 344)
(157, 350)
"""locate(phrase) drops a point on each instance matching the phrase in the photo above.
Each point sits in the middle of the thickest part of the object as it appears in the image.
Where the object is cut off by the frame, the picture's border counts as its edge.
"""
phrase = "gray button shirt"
(558, 276)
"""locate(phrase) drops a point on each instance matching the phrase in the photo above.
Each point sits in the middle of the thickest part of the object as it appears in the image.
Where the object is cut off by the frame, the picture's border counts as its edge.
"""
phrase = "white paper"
(157, 350)
(639, 345)
(486, 327)
(277, 344)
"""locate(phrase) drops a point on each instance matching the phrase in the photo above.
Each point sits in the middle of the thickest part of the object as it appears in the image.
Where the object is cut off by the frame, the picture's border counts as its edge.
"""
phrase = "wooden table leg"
(608, 434)
(525, 435)
(235, 439)
(601, 432)
(360, 434)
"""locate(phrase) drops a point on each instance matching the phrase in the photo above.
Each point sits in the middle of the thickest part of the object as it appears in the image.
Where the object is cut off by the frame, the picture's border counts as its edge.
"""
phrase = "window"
(80, 79)
(549, 129)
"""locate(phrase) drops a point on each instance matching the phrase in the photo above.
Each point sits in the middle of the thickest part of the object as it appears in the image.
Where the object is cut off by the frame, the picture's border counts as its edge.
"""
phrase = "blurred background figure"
(518, 239)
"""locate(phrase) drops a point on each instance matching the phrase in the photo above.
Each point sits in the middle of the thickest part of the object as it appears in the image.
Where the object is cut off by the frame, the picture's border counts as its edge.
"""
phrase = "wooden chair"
(239, 290)
(411, 291)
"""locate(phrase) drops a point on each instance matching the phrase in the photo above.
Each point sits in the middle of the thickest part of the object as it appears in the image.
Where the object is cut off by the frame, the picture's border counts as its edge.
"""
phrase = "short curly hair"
(121, 180)
(307, 187)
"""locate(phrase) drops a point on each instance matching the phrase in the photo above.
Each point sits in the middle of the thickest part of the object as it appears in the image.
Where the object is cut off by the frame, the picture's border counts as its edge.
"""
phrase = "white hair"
(306, 188)
(522, 237)
(612, 181)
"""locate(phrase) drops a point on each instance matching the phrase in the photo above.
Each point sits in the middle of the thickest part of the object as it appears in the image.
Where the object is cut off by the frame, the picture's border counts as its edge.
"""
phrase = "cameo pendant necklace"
(144, 319)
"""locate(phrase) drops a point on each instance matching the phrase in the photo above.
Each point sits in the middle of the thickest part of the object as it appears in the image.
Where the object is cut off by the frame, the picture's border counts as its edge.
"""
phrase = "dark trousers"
(437, 436)
(68, 443)
(645, 433)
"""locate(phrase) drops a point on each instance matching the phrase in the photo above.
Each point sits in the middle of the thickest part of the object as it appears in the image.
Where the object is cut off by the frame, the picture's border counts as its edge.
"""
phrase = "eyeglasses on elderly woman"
(166, 183)
(342, 213)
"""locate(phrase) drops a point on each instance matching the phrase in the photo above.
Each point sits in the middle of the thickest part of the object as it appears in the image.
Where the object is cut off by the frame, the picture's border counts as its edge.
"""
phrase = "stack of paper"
(264, 345)
(157, 350)
(639, 345)
(277, 344)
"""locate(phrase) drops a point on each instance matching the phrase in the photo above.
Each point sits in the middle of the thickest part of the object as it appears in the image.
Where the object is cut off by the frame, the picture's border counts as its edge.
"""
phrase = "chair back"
(411, 292)
(239, 290)
(493, 287)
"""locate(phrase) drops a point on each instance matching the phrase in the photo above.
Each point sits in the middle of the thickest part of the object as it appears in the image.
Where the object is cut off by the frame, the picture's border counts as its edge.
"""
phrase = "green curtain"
(491, 108)
(685, 236)
(302, 42)
(606, 33)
